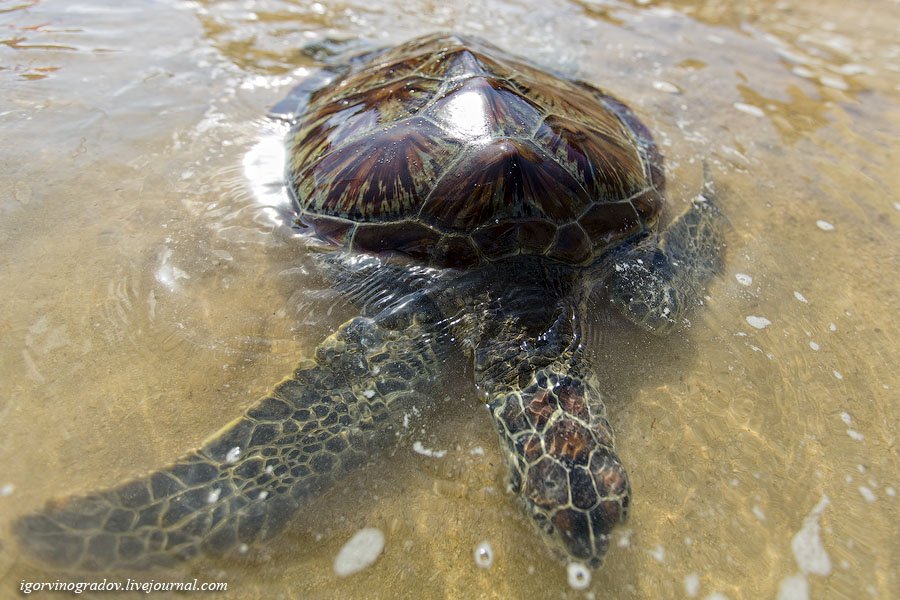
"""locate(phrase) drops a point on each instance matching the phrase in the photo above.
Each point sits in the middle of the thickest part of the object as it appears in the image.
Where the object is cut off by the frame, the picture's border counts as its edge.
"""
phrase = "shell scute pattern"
(451, 151)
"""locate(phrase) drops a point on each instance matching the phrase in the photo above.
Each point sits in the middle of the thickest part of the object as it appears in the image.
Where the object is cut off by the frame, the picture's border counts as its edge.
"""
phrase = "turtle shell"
(451, 151)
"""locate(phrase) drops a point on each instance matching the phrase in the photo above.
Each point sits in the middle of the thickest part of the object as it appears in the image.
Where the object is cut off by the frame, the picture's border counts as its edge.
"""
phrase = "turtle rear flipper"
(244, 483)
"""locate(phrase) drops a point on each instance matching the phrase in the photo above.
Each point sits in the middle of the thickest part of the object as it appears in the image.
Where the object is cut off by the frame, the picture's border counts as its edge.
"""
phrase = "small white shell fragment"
(233, 455)
(360, 551)
(801, 298)
(837, 375)
(824, 225)
(579, 576)
(814, 345)
(758, 322)
(369, 393)
(7, 489)
(743, 278)
(749, 109)
(213, 496)
(855, 435)
(484, 555)
(665, 86)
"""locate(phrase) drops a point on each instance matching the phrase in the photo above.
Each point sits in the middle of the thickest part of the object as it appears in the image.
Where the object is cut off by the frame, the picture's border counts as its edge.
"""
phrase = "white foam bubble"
(809, 552)
(233, 455)
(484, 555)
(749, 109)
(665, 86)
(7, 489)
(361, 551)
(419, 448)
(579, 576)
(758, 322)
(833, 82)
(866, 493)
(692, 585)
(794, 587)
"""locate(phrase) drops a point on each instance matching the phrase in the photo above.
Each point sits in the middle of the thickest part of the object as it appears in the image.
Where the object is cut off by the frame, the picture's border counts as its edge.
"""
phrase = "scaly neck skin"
(511, 348)
(550, 415)
(515, 316)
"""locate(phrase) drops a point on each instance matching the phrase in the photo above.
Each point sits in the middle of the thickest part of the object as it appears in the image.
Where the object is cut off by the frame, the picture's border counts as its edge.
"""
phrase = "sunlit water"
(151, 291)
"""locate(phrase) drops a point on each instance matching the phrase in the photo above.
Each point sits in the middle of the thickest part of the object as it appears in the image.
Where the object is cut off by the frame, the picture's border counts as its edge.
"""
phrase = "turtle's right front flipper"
(247, 480)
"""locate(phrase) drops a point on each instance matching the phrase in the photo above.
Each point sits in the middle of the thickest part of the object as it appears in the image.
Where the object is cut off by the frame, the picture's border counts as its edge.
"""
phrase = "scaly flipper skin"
(655, 285)
(243, 484)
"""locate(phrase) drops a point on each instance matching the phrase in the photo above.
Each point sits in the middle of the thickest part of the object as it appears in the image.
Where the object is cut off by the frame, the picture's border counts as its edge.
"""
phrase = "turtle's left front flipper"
(244, 483)
(657, 283)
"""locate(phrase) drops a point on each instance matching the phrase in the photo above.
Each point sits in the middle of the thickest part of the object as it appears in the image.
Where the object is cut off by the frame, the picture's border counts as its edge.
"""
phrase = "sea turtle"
(470, 200)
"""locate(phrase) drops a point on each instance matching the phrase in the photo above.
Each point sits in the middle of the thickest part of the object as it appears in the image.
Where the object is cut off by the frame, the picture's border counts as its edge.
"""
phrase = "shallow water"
(151, 292)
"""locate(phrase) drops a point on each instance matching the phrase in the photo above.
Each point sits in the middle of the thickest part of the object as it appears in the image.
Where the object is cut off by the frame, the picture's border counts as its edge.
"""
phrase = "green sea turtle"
(471, 200)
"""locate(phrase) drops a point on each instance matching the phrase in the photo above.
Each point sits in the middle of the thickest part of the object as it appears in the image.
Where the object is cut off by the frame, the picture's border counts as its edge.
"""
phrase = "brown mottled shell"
(449, 150)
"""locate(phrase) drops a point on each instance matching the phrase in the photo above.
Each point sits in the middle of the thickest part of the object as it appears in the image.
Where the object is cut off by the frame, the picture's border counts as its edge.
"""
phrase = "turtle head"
(563, 465)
